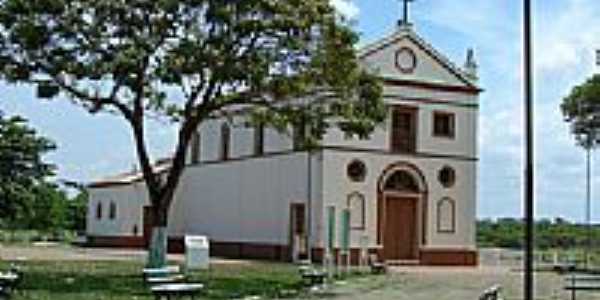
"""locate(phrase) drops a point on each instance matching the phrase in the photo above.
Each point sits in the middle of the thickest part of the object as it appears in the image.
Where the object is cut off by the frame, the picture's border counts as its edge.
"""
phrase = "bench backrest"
(493, 293)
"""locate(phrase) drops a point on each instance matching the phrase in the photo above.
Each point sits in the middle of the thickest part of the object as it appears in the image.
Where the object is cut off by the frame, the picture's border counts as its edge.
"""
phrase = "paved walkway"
(425, 283)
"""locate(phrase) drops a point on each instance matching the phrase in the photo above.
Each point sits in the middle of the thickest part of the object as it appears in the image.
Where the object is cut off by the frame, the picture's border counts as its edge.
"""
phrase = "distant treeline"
(557, 233)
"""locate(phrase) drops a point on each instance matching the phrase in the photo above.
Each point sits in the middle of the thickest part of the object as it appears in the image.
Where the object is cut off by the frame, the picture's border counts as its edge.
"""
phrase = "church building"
(410, 189)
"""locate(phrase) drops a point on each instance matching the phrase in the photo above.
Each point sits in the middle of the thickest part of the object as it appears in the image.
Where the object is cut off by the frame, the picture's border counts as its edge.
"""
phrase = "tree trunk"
(157, 249)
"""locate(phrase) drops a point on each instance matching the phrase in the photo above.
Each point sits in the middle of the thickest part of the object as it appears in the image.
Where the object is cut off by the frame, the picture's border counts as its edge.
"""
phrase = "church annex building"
(411, 188)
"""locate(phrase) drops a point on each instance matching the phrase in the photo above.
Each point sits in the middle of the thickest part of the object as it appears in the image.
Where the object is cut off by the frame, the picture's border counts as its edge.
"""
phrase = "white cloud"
(346, 7)
(567, 33)
(567, 38)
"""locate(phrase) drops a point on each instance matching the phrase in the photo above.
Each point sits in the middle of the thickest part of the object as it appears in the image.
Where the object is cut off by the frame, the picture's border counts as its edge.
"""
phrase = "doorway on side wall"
(298, 233)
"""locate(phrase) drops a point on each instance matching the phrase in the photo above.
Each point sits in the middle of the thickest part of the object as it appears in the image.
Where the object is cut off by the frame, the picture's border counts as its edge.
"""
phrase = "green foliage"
(49, 211)
(586, 93)
(76, 211)
(292, 62)
(122, 280)
(27, 200)
(21, 151)
(556, 234)
(581, 108)
(116, 54)
(21, 168)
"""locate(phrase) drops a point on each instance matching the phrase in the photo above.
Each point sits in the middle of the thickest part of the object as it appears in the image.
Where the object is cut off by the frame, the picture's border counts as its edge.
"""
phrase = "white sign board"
(197, 252)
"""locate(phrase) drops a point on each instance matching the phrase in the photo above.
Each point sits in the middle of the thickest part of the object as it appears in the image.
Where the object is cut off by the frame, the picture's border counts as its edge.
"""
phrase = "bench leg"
(574, 291)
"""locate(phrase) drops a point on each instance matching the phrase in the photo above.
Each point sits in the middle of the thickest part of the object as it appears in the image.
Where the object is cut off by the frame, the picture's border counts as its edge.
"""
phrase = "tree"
(581, 108)
(21, 168)
(49, 208)
(285, 62)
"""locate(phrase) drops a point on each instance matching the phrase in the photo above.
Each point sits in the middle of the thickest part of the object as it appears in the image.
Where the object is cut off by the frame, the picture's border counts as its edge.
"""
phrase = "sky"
(566, 34)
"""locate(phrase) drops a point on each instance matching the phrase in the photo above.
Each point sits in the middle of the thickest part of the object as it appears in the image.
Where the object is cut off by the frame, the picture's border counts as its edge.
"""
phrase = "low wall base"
(427, 257)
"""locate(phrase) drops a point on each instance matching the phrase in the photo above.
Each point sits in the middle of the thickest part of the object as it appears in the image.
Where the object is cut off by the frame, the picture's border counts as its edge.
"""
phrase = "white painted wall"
(129, 199)
(383, 62)
(337, 187)
(249, 199)
(243, 201)
(242, 139)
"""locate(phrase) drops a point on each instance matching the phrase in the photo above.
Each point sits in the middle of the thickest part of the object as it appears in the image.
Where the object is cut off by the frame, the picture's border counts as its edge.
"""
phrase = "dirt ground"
(498, 267)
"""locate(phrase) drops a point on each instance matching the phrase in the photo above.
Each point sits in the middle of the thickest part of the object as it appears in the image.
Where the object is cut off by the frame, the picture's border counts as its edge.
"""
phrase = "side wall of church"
(245, 201)
(128, 201)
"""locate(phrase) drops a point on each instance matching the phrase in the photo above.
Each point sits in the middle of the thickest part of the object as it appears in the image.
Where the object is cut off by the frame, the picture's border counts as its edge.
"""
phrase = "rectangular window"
(443, 124)
(259, 140)
(404, 129)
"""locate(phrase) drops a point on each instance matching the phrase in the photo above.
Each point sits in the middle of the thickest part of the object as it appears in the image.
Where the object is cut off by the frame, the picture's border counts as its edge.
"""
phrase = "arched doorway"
(402, 207)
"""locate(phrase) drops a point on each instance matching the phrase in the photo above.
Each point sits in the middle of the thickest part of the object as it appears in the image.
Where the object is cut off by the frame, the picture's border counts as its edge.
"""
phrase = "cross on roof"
(405, 20)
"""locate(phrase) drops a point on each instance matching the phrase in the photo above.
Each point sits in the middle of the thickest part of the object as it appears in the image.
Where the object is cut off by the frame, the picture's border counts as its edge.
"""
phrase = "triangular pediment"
(406, 56)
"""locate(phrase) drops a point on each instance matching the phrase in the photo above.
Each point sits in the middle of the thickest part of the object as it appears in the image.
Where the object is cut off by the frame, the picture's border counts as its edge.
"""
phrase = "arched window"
(259, 140)
(99, 211)
(356, 205)
(446, 216)
(225, 141)
(112, 211)
(195, 148)
(402, 181)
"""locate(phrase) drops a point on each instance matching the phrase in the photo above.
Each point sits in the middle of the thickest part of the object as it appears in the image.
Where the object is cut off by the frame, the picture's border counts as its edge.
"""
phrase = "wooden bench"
(377, 266)
(166, 279)
(492, 293)
(160, 272)
(588, 283)
(166, 291)
(4, 293)
(312, 276)
(8, 283)
(564, 267)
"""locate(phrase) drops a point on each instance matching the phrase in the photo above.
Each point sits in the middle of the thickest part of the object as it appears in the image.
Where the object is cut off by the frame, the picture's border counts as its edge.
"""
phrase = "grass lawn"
(122, 280)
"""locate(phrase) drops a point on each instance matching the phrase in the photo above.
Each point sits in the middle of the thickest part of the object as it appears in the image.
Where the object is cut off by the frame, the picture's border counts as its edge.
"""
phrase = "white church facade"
(411, 188)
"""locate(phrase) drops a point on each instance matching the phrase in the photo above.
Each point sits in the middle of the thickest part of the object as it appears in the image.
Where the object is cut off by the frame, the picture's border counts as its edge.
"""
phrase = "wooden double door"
(400, 229)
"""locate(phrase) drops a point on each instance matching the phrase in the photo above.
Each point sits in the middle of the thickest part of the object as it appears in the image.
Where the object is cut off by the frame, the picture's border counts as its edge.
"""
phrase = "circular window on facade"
(357, 171)
(447, 176)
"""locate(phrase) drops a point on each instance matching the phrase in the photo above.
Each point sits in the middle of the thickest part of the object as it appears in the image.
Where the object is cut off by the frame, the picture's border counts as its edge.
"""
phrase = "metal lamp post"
(529, 158)
(586, 128)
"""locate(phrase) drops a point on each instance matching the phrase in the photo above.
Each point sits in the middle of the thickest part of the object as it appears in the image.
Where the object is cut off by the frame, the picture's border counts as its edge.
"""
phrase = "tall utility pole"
(588, 206)
(586, 130)
(529, 152)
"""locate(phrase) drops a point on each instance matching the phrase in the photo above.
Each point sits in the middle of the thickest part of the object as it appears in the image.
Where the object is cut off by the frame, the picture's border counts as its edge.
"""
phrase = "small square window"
(443, 124)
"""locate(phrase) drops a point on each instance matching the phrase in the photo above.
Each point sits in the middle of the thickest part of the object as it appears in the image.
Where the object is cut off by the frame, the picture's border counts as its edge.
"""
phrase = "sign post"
(345, 238)
(329, 253)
